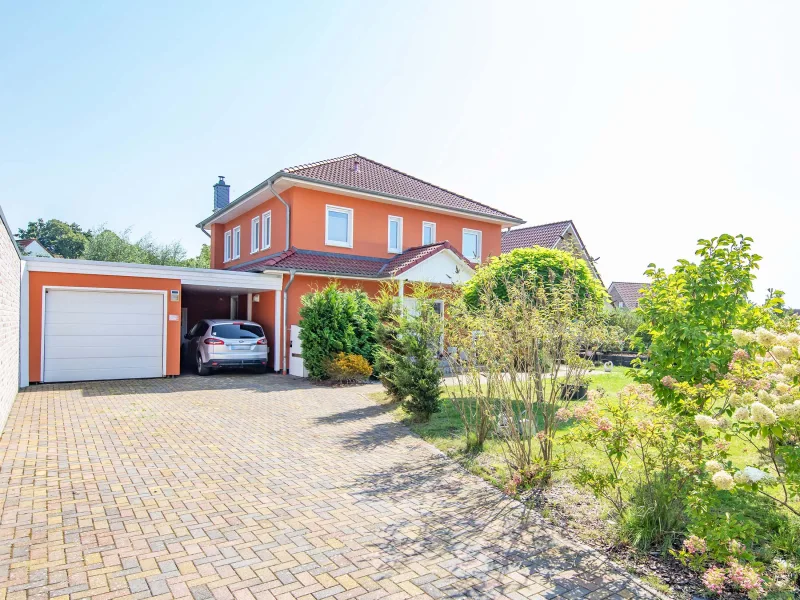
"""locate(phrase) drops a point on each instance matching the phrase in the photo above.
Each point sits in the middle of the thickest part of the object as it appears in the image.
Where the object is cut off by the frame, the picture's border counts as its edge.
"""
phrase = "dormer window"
(396, 234)
(338, 226)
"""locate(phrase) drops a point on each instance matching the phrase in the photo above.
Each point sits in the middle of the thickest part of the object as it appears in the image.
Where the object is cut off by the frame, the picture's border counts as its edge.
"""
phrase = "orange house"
(350, 219)
(353, 220)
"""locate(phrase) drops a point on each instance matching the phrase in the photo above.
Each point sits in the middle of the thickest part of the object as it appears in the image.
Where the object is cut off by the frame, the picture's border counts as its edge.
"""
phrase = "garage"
(103, 334)
(89, 320)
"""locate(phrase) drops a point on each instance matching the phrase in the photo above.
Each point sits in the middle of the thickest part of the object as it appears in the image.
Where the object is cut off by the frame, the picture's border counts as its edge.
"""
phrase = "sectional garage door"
(93, 334)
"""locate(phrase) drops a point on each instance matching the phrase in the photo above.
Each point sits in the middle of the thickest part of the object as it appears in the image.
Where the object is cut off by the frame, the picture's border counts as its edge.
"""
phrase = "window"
(237, 242)
(228, 246)
(266, 230)
(237, 331)
(396, 234)
(255, 234)
(471, 244)
(428, 233)
(338, 226)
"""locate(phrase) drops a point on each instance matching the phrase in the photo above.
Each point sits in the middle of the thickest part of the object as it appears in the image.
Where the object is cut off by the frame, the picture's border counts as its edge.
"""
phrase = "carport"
(85, 320)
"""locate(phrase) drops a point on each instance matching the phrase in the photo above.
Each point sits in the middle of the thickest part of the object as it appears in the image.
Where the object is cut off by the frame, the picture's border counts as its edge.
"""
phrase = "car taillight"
(213, 342)
(261, 342)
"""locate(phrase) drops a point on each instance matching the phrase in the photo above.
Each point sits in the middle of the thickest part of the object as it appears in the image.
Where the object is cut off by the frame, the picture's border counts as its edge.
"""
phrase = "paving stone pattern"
(244, 486)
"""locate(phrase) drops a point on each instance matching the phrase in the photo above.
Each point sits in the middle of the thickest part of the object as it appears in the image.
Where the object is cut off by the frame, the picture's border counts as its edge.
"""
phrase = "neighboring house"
(32, 247)
(561, 235)
(348, 219)
(625, 294)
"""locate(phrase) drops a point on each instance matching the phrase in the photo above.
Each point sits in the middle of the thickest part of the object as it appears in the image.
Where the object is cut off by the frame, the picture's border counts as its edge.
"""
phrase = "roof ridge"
(438, 187)
(631, 282)
(327, 161)
(536, 226)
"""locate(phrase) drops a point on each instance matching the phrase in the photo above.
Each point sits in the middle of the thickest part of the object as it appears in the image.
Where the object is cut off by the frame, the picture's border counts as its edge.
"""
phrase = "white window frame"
(340, 209)
(432, 225)
(255, 234)
(237, 242)
(266, 230)
(479, 235)
(399, 221)
(228, 246)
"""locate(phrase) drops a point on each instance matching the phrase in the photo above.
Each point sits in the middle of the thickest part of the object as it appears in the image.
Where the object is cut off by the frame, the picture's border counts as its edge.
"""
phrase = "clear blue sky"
(649, 126)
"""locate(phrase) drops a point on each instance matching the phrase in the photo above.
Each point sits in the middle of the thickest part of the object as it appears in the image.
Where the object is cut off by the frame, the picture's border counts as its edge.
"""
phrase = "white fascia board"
(187, 276)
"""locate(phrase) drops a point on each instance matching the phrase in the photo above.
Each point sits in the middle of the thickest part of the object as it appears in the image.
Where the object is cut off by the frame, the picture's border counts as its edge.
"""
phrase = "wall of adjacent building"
(10, 284)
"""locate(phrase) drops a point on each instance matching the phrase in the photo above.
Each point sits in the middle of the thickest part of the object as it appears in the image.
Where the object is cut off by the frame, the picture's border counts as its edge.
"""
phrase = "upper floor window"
(255, 234)
(396, 234)
(471, 244)
(237, 242)
(428, 233)
(338, 226)
(228, 246)
(266, 230)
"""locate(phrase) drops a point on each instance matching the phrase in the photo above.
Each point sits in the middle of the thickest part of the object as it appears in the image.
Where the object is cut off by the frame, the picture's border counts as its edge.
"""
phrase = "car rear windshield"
(237, 331)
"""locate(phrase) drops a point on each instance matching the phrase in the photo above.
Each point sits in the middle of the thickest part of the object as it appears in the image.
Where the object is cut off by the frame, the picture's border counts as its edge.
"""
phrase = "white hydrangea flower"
(766, 337)
(713, 466)
(705, 422)
(723, 422)
(788, 411)
(742, 338)
(723, 480)
(792, 339)
(751, 475)
(781, 352)
(790, 370)
(762, 414)
(783, 388)
(766, 398)
(741, 414)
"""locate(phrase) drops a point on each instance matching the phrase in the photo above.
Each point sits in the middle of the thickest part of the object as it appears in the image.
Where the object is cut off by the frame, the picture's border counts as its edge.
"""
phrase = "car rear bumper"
(235, 362)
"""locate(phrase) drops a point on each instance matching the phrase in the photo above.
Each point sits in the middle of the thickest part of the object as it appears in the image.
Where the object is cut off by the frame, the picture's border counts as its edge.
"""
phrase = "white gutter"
(288, 215)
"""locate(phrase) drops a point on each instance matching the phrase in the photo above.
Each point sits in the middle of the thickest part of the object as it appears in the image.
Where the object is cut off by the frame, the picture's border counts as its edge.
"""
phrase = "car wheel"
(201, 368)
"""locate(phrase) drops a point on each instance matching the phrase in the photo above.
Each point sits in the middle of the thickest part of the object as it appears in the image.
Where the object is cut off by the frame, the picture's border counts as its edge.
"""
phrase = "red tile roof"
(25, 243)
(546, 236)
(629, 292)
(342, 265)
(361, 173)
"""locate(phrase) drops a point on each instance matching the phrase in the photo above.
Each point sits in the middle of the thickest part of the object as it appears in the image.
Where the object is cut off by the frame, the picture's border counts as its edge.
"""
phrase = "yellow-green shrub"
(349, 368)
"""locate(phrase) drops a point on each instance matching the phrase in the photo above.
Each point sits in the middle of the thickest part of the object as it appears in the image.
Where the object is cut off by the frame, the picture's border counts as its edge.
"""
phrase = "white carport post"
(249, 306)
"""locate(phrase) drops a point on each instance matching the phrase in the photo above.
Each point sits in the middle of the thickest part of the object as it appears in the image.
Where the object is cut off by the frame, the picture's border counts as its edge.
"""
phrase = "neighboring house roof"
(38, 247)
(629, 292)
(356, 172)
(546, 236)
(342, 265)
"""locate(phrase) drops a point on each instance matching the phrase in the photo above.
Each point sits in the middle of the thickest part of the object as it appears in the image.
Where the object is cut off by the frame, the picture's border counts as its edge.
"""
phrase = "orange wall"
(370, 227)
(37, 280)
(277, 243)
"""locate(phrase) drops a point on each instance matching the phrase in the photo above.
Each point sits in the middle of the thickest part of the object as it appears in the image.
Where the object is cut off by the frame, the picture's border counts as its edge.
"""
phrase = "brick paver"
(244, 486)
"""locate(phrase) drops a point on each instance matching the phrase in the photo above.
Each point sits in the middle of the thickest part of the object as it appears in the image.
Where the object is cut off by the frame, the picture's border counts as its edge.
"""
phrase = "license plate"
(240, 347)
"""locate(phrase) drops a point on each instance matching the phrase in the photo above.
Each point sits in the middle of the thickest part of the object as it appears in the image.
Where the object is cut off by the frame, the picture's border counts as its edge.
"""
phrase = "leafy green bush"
(334, 320)
(544, 266)
(691, 312)
(349, 368)
(388, 310)
(626, 336)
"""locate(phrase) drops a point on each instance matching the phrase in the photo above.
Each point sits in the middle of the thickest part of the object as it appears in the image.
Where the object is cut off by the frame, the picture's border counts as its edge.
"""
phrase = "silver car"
(214, 343)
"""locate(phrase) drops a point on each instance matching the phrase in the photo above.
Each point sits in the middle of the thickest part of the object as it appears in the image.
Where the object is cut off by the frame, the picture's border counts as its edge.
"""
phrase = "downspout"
(285, 304)
(288, 220)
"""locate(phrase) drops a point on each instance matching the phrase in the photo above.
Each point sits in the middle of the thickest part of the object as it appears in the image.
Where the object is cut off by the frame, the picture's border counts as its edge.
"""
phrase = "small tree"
(388, 311)
(691, 312)
(414, 373)
(333, 320)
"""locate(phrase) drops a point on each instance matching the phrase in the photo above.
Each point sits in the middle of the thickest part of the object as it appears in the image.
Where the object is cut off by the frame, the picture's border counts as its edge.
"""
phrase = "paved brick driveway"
(258, 486)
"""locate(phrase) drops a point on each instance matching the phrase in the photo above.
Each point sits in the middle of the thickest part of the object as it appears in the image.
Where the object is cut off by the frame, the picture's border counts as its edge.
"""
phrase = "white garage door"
(103, 335)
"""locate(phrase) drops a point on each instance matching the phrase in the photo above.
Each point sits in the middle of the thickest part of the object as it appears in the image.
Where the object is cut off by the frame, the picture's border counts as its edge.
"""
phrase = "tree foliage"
(59, 238)
(332, 321)
(545, 266)
(691, 312)
(108, 245)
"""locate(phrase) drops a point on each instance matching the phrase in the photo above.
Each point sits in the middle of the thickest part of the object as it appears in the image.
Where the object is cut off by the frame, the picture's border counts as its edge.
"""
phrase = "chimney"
(222, 194)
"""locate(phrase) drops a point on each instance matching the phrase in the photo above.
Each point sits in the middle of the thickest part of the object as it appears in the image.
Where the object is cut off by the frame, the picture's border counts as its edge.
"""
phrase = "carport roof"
(341, 265)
